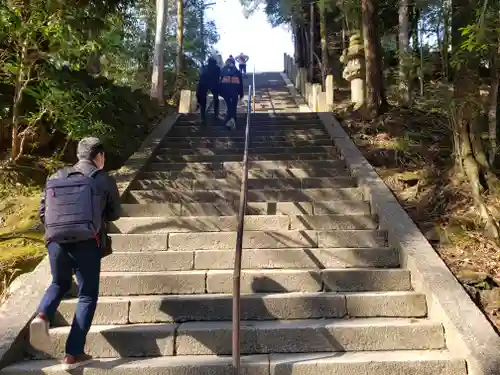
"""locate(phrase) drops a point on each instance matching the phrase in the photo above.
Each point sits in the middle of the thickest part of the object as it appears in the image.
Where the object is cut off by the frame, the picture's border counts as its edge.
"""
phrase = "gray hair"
(89, 148)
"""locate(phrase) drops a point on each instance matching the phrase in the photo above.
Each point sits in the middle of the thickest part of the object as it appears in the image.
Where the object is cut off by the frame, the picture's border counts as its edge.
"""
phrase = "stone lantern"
(354, 69)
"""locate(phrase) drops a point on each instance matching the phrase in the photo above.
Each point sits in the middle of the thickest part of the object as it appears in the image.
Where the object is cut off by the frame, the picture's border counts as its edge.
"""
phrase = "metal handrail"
(239, 244)
(253, 86)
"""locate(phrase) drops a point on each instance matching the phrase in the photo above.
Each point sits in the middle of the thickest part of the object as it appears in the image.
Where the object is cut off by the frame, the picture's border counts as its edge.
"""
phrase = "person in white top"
(242, 59)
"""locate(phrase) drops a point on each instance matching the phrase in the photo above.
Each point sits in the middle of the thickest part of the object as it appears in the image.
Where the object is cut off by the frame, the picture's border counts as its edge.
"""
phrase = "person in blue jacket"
(209, 81)
(231, 88)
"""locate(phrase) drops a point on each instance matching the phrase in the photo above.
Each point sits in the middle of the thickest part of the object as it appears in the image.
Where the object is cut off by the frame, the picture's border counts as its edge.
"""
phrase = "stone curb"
(27, 290)
(468, 332)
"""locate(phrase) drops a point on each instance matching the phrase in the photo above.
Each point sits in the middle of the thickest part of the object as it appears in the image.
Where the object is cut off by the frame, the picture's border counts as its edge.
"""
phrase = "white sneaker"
(39, 333)
(231, 124)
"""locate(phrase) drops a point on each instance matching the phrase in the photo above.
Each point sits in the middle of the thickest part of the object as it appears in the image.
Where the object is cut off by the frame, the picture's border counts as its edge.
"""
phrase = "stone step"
(231, 137)
(253, 281)
(295, 336)
(229, 208)
(251, 240)
(236, 174)
(252, 183)
(414, 362)
(190, 131)
(238, 157)
(256, 126)
(212, 196)
(213, 144)
(253, 164)
(253, 150)
(176, 224)
(252, 259)
(217, 307)
(255, 136)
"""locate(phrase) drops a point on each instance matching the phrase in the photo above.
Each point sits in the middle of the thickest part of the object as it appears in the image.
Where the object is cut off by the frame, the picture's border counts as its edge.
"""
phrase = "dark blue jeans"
(84, 259)
(232, 106)
(202, 99)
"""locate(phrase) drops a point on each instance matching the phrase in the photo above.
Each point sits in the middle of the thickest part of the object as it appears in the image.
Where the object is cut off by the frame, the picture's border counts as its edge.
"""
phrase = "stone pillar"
(293, 72)
(303, 80)
(185, 102)
(322, 106)
(329, 93)
(354, 71)
(297, 79)
(316, 90)
(307, 93)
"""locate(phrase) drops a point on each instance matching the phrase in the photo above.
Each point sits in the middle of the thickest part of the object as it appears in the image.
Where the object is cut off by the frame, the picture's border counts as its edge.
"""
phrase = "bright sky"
(253, 36)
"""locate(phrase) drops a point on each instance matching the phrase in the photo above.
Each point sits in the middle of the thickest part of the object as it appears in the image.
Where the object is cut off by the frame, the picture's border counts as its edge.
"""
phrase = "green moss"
(21, 237)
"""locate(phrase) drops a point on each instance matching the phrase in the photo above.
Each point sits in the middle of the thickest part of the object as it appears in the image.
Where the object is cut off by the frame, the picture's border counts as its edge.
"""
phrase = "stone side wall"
(468, 333)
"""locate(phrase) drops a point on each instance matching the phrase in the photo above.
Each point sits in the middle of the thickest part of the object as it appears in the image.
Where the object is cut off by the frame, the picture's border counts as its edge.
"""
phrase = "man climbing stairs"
(322, 293)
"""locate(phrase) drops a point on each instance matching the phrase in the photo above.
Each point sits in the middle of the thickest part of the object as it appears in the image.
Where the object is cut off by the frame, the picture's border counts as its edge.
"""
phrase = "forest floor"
(21, 233)
(411, 149)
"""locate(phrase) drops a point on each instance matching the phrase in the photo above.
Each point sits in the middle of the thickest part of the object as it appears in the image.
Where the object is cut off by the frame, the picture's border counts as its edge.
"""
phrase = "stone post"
(329, 93)
(354, 71)
(303, 80)
(185, 102)
(322, 107)
(316, 90)
(308, 93)
(297, 79)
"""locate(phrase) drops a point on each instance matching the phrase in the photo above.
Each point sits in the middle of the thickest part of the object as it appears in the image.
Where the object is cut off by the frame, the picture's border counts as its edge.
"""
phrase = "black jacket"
(231, 88)
(209, 78)
(111, 205)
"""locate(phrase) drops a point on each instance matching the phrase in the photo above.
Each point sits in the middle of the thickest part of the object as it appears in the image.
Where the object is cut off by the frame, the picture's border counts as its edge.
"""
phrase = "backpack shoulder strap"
(94, 172)
(67, 172)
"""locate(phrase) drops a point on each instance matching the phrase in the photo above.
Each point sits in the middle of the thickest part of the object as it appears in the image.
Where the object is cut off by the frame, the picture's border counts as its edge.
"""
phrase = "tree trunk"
(371, 41)
(446, 40)
(22, 80)
(202, 33)
(334, 45)
(325, 63)
(157, 91)
(494, 102)
(469, 150)
(180, 43)
(311, 43)
(404, 54)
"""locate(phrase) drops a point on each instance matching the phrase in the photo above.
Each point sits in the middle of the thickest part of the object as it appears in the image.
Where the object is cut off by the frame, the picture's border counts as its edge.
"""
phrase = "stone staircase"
(322, 292)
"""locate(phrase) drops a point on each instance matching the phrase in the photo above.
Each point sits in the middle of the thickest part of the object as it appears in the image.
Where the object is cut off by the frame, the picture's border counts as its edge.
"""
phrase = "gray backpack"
(72, 207)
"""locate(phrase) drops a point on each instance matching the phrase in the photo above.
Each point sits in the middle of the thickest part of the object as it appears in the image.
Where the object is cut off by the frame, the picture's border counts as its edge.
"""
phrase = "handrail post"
(239, 245)
(253, 87)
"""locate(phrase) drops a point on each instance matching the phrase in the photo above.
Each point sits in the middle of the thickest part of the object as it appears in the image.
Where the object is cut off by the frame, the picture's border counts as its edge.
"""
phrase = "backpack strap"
(94, 172)
(66, 172)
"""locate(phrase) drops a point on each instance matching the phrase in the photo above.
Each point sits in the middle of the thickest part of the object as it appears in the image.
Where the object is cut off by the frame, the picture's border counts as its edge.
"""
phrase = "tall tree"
(180, 43)
(325, 61)
(404, 53)
(157, 89)
(469, 151)
(375, 94)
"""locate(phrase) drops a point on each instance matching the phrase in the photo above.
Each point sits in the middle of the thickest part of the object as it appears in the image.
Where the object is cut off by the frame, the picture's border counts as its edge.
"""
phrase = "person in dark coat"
(83, 258)
(209, 81)
(231, 88)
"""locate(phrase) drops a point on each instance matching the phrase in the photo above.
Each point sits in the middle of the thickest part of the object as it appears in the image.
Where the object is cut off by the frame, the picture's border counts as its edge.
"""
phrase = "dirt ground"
(411, 150)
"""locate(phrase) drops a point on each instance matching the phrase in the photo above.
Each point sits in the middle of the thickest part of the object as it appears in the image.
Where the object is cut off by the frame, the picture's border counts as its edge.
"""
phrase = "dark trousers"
(84, 259)
(232, 105)
(202, 99)
(243, 68)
